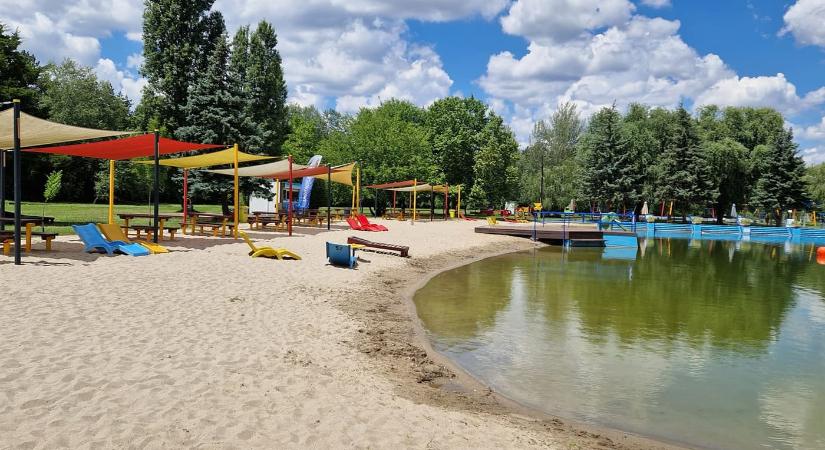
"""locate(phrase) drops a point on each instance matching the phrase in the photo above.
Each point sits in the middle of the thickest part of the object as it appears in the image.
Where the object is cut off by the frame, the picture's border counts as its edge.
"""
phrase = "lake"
(717, 344)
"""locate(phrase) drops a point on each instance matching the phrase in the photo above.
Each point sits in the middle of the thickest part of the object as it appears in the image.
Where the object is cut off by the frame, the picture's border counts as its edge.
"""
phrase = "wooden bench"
(260, 221)
(7, 239)
(402, 250)
(215, 226)
(150, 230)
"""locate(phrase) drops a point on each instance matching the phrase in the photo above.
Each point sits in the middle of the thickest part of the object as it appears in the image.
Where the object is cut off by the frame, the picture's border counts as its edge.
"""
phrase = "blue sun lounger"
(341, 255)
(94, 241)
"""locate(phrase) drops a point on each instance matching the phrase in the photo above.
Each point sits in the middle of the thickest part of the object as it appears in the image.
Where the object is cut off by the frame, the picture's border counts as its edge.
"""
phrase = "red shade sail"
(397, 184)
(126, 148)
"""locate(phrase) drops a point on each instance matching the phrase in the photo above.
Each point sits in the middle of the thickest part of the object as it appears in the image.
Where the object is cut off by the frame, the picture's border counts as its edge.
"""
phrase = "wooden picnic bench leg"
(223, 228)
(172, 235)
(160, 230)
(29, 227)
(48, 243)
(7, 247)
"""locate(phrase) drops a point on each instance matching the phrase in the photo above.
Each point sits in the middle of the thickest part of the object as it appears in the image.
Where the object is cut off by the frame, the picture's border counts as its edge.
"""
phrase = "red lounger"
(362, 219)
(357, 227)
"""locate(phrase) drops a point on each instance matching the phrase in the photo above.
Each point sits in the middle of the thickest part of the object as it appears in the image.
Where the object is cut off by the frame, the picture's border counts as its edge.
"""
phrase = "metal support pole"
(111, 191)
(185, 199)
(289, 211)
(156, 187)
(17, 182)
(375, 202)
(236, 194)
(2, 188)
(432, 203)
(329, 196)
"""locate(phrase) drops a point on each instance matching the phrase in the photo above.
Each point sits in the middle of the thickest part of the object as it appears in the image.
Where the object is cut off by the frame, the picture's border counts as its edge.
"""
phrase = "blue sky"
(523, 57)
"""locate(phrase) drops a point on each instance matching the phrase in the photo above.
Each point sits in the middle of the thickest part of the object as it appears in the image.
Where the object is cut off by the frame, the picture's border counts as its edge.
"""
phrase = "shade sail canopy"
(262, 170)
(218, 158)
(35, 131)
(418, 188)
(125, 148)
(340, 174)
(397, 184)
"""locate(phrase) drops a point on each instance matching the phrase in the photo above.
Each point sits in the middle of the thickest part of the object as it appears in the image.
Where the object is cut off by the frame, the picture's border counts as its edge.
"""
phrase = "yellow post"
(111, 191)
(236, 191)
(670, 211)
(358, 189)
(458, 203)
(277, 196)
(415, 188)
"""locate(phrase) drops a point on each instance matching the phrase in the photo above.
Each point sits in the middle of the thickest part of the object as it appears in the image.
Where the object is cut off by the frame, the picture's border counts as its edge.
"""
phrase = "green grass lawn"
(67, 214)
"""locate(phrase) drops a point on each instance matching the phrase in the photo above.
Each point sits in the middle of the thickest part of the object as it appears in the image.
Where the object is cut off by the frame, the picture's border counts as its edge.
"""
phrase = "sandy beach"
(207, 347)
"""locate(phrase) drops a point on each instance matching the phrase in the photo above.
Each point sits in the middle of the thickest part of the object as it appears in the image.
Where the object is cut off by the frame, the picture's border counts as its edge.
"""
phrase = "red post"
(289, 213)
(185, 197)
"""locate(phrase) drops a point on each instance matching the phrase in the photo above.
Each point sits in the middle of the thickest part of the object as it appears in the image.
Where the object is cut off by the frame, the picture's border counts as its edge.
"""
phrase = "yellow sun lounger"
(267, 252)
(113, 232)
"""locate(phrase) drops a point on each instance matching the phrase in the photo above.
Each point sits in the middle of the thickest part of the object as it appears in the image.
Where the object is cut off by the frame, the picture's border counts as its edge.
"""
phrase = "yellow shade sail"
(35, 132)
(218, 158)
(340, 174)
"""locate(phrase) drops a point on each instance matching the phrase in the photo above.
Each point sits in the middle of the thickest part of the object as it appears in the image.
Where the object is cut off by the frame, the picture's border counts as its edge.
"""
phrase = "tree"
(730, 172)
(266, 88)
(781, 182)
(178, 37)
(50, 191)
(72, 94)
(455, 125)
(612, 171)
(554, 150)
(815, 180)
(307, 130)
(494, 169)
(19, 72)
(683, 172)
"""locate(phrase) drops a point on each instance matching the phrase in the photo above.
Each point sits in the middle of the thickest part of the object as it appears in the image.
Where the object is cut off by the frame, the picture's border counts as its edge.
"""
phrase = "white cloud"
(813, 155)
(814, 132)
(656, 3)
(773, 91)
(547, 21)
(641, 60)
(123, 82)
(135, 60)
(804, 20)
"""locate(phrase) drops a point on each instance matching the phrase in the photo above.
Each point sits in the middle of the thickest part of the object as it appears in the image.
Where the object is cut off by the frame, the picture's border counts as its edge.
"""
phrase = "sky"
(522, 57)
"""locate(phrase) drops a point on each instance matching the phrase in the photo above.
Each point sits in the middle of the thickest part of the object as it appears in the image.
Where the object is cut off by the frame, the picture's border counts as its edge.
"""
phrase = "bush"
(650, 218)
(745, 222)
(696, 220)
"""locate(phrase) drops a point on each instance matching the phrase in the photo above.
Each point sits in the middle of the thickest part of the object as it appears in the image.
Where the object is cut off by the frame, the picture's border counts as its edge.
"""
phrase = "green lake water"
(708, 343)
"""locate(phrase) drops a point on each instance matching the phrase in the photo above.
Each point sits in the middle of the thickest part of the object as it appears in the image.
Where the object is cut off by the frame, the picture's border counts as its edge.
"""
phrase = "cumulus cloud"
(774, 91)
(656, 3)
(548, 21)
(804, 20)
(641, 60)
(123, 82)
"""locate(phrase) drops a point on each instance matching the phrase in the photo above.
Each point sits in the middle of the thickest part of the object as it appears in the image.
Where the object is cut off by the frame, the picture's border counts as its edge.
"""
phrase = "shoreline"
(461, 389)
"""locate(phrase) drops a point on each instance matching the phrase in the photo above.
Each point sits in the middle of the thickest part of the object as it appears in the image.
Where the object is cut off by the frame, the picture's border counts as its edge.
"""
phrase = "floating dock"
(555, 234)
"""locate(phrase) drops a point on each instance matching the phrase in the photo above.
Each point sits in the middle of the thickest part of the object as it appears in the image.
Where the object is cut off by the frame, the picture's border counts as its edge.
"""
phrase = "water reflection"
(715, 343)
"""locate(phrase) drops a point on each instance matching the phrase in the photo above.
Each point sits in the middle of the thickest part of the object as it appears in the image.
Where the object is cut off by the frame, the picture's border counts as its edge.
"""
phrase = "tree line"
(700, 164)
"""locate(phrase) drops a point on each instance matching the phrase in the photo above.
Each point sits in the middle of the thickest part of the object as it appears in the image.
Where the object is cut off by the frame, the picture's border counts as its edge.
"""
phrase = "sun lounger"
(94, 241)
(342, 254)
(364, 222)
(114, 232)
(267, 252)
(355, 225)
(402, 250)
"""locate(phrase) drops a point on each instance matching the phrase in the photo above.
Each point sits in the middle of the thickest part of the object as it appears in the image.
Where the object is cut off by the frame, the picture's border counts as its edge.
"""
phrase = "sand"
(207, 347)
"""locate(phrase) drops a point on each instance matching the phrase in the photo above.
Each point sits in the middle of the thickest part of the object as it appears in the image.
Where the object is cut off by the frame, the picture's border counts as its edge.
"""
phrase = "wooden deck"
(574, 235)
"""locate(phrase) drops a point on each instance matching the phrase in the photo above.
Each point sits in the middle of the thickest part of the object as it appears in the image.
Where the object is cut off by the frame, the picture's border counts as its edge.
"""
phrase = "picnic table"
(29, 222)
(162, 218)
(218, 222)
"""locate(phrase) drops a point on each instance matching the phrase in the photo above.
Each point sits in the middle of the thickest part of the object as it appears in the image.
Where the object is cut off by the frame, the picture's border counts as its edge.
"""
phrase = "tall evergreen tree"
(684, 177)
(781, 183)
(178, 37)
(19, 72)
(612, 170)
(267, 92)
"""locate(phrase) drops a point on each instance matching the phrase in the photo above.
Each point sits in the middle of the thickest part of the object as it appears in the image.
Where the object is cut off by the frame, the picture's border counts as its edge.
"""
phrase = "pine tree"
(178, 37)
(781, 183)
(683, 171)
(267, 90)
(612, 171)
(19, 72)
